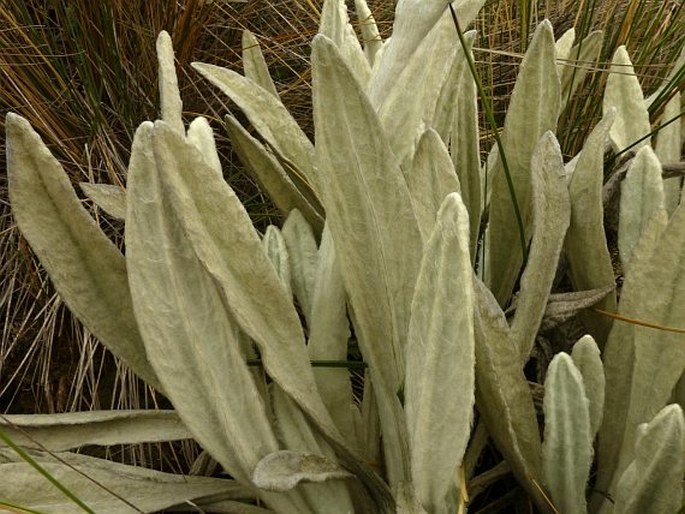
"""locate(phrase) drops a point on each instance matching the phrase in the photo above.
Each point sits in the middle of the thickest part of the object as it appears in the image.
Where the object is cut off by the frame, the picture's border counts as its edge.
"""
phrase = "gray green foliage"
(567, 446)
(586, 357)
(652, 480)
(60, 432)
(380, 243)
(441, 346)
(586, 247)
(533, 110)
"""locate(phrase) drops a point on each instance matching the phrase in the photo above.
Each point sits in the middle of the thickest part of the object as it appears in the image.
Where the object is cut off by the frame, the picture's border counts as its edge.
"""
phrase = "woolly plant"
(397, 239)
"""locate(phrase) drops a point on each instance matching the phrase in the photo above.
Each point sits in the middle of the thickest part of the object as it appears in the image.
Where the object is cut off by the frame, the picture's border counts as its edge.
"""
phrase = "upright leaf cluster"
(398, 240)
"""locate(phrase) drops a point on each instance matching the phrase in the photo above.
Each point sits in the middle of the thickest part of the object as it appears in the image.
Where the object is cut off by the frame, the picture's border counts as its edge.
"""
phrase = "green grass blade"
(40, 469)
(487, 105)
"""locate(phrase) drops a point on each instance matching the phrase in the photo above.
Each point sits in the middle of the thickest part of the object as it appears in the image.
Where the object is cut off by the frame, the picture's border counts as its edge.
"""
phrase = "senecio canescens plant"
(382, 240)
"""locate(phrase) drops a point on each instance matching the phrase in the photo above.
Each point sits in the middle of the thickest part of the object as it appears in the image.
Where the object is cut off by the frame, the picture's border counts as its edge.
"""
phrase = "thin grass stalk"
(40, 469)
(493, 125)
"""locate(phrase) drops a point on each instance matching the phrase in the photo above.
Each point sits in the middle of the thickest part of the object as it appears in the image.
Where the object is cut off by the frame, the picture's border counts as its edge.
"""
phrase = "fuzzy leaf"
(440, 358)
(86, 268)
(110, 198)
(451, 92)
(267, 114)
(368, 207)
(169, 95)
(335, 25)
(298, 435)
(403, 110)
(301, 245)
(502, 393)
(263, 166)
(533, 110)
(236, 261)
(668, 143)
(254, 65)
(196, 354)
(371, 37)
(465, 149)
(653, 481)
(283, 470)
(414, 19)
(275, 249)
(586, 357)
(374, 229)
(200, 134)
(60, 432)
(579, 62)
(561, 307)
(329, 332)
(248, 284)
(567, 448)
(562, 47)
(623, 92)
(551, 217)
(642, 197)
(586, 246)
(130, 489)
(643, 364)
(430, 180)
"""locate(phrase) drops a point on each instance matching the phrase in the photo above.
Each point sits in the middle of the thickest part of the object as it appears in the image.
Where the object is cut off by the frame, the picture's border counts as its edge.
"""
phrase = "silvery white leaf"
(642, 197)
(254, 65)
(404, 110)
(86, 268)
(533, 110)
(562, 46)
(329, 332)
(283, 470)
(277, 252)
(567, 447)
(370, 35)
(551, 218)
(430, 179)
(266, 170)
(335, 24)
(301, 244)
(201, 135)
(298, 435)
(586, 246)
(374, 229)
(439, 384)
(169, 95)
(653, 481)
(103, 485)
(465, 149)
(623, 92)
(248, 284)
(60, 432)
(414, 19)
(110, 198)
(267, 114)
(586, 357)
(190, 338)
(502, 393)
(643, 364)
(668, 144)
